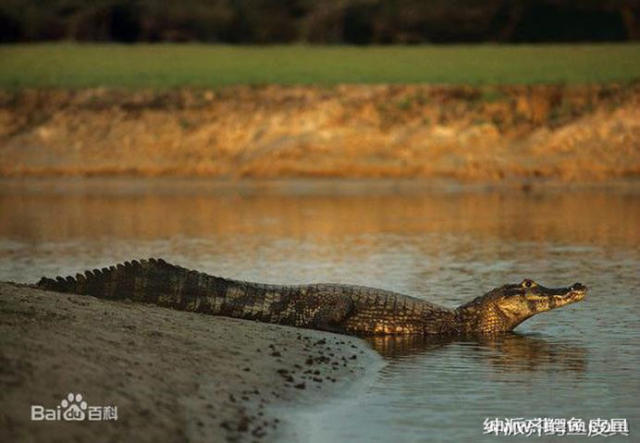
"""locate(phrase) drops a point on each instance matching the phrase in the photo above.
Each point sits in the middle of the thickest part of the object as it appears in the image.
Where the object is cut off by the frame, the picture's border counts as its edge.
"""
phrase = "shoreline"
(495, 134)
(206, 186)
(172, 374)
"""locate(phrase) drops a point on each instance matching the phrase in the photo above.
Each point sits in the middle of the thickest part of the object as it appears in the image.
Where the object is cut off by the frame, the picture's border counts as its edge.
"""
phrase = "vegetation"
(172, 65)
(325, 21)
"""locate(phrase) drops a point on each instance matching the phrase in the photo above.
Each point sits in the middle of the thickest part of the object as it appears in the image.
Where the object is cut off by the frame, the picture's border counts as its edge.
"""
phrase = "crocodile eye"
(528, 283)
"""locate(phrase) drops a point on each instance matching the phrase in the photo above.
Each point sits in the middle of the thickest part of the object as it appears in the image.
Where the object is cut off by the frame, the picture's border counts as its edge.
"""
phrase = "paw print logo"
(74, 407)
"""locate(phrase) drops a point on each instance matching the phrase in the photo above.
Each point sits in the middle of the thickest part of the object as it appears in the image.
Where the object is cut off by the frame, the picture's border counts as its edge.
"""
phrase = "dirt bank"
(577, 133)
(173, 376)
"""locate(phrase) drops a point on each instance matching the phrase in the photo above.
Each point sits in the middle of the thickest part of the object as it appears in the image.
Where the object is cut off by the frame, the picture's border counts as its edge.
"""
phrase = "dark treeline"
(321, 21)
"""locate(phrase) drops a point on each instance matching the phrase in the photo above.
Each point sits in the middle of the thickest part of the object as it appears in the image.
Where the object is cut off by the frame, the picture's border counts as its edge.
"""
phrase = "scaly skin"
(355, 310)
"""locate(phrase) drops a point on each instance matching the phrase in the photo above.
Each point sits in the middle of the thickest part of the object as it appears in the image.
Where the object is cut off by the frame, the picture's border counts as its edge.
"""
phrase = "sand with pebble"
(173, 376)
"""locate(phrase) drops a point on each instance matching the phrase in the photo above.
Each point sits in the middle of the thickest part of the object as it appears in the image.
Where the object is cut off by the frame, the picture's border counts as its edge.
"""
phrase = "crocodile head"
(504, 308)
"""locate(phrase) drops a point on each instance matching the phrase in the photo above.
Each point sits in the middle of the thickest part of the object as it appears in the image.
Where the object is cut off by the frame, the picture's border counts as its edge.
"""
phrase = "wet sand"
(173, 375)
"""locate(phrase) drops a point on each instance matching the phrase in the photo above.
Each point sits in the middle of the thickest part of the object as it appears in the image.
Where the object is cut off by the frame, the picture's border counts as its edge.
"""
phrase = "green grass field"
(169, 65)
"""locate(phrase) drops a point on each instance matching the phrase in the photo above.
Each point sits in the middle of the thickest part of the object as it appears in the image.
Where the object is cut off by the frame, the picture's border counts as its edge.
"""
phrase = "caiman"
(354, 310)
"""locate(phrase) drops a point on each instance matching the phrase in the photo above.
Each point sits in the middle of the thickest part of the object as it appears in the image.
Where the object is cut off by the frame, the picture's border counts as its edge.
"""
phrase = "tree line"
(320, 21)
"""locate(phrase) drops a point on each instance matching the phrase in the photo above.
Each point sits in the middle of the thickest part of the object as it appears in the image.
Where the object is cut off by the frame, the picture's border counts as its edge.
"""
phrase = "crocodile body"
(355, 310)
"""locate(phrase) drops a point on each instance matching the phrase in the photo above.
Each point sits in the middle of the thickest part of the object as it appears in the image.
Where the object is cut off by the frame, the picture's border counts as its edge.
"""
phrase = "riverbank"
(172, 375)
(576, 133)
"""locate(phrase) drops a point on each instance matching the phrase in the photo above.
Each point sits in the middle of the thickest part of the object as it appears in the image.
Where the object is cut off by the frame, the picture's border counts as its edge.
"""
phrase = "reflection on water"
(506, 352)
(66, 213)
(446, 245)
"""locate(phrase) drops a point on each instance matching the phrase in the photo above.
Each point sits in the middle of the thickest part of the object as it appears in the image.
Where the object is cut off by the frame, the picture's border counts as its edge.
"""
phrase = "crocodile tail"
(158, 282)
(164, 284)
(131, 279)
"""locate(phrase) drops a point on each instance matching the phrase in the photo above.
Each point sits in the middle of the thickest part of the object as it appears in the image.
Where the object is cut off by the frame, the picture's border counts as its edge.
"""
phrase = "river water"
(445, 243)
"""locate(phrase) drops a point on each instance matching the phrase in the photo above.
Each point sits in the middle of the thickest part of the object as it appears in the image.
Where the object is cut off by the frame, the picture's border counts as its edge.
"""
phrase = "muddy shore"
(174, 376)
(490, 133)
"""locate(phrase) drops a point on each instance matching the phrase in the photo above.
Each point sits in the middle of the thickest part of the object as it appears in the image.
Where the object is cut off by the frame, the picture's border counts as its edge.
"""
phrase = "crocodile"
(347, 309)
